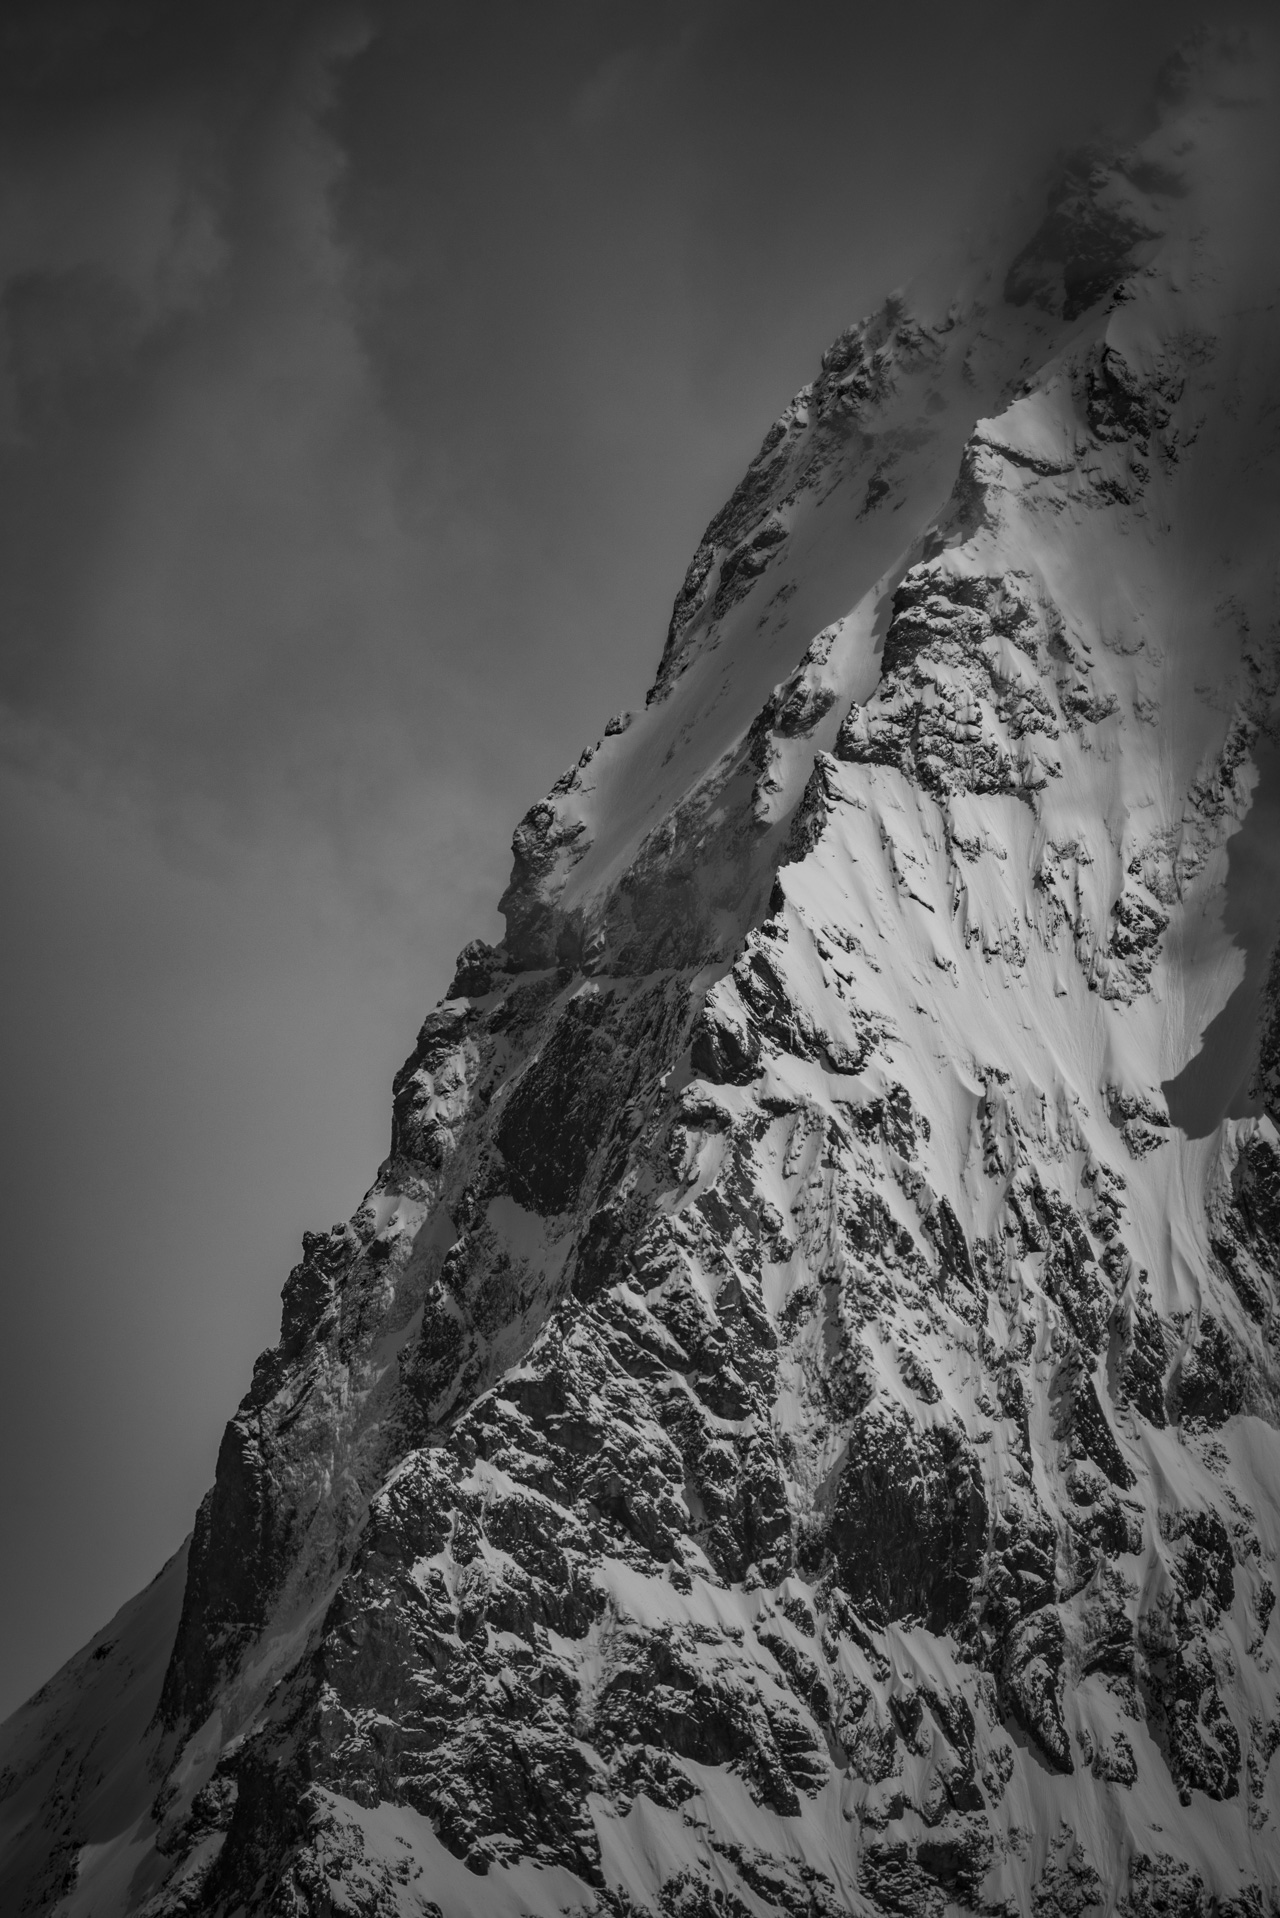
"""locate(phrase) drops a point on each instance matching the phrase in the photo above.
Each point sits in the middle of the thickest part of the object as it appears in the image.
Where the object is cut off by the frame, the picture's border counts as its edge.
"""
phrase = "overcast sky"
(367, 376)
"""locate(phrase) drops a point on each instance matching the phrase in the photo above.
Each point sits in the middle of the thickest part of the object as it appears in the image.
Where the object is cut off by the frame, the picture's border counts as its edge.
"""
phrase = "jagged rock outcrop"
(793, 1427)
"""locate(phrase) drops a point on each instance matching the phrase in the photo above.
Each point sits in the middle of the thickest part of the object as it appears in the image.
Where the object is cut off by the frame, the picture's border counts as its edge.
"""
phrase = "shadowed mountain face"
(1221, 1081)
(793, 1425)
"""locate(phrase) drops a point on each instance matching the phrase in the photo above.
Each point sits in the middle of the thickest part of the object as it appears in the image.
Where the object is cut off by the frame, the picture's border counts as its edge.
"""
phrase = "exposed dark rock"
(1246, 1239)
(726, 1047)
(1185, 1706)
(542, 844)
(1069, 1886)
(1082, 1422)
(1031, 1685)
(239, 1554)
(1122, 405)
(1085, 245)
(741, 568)
(909, 1526)
(1208, 1384)
(953, 706)
(1020, 1567)
(1142, 1360)
(551, 1124)
(476, 968)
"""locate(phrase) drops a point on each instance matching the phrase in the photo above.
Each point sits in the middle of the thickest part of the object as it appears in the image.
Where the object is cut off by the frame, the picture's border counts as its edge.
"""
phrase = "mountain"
(793, 1426)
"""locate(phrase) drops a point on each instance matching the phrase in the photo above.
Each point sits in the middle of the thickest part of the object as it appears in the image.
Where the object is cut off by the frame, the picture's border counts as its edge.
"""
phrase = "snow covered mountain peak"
(886, 455)
(793, 1426)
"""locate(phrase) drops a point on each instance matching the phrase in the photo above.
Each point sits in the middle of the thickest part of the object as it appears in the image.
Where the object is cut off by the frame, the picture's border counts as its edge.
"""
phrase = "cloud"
(204, 557)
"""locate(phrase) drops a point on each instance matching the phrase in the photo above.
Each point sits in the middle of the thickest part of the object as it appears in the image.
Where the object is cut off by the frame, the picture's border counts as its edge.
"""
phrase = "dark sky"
(367, 376)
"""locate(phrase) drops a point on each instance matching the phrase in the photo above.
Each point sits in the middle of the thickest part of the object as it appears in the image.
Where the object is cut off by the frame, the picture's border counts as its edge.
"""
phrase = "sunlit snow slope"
(793, 1426)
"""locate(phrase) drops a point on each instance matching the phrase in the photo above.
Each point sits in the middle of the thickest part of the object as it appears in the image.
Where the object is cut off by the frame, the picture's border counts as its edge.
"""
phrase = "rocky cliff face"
(793, 1426)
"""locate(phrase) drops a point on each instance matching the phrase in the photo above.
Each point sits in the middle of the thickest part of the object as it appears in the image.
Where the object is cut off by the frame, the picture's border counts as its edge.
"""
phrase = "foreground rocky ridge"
(793, 1426)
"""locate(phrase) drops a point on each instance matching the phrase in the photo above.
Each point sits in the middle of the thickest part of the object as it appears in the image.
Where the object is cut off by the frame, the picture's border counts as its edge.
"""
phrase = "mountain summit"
(793, 1426)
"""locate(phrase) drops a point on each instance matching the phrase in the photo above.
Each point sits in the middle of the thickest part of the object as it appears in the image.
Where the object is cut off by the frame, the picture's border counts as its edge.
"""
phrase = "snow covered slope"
(793, 1426)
